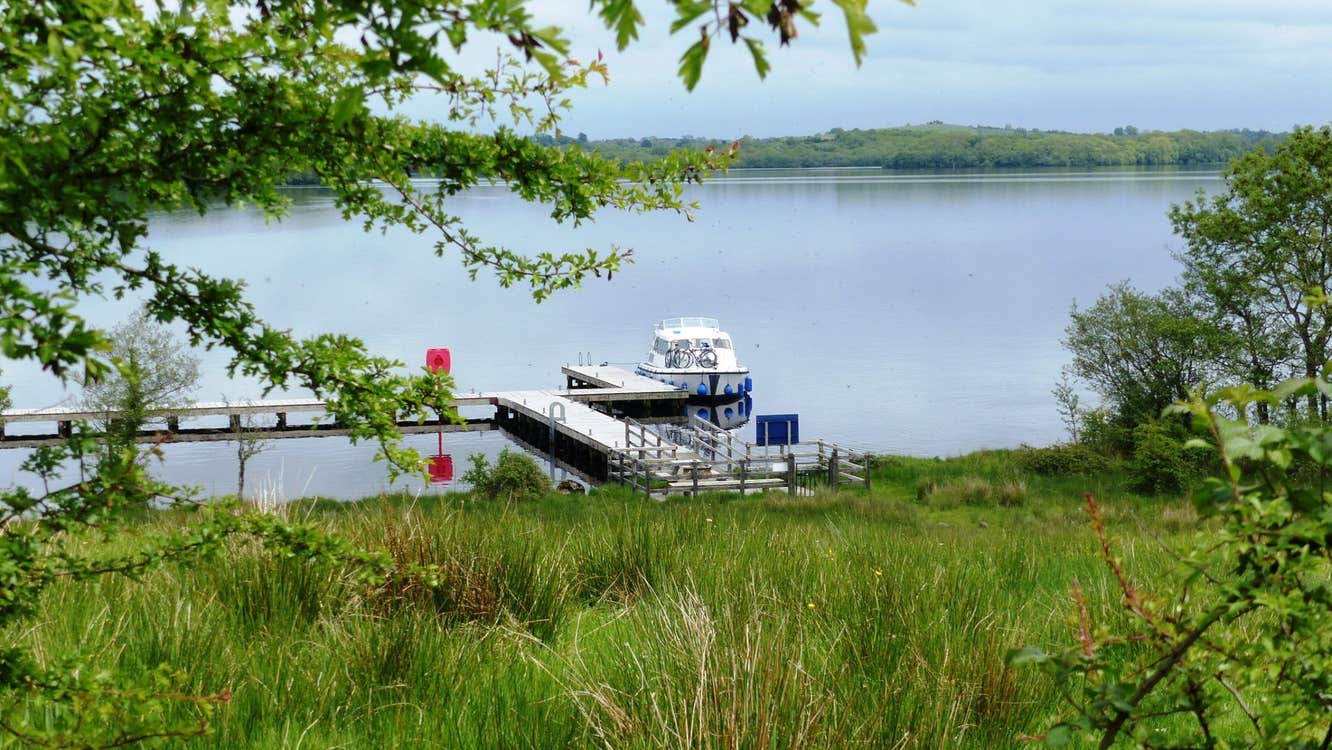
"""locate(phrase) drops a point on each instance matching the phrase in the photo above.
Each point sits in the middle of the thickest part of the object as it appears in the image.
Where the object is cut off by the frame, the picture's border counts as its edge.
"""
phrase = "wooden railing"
(707, 458)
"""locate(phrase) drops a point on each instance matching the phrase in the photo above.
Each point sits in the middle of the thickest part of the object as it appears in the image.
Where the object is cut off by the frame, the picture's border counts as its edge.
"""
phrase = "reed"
(834, 620)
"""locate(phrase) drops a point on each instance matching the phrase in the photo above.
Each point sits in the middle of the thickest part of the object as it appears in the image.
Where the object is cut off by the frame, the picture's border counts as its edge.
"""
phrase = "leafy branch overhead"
(714, 18)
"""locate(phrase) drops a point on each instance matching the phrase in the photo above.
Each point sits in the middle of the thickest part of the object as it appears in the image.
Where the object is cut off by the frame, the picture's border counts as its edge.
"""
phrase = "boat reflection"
(728, 415)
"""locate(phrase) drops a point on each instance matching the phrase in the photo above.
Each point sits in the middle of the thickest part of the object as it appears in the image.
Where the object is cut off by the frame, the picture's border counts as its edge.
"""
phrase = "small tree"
(152, 371)
(5, 401)
(1141, 352)
(1066, 402)
(250, 442)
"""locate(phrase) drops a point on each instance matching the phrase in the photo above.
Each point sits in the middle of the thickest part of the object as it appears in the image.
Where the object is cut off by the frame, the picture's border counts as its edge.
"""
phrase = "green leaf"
(1292, 388)
(624, 18)
(691, 63)
(858, 25)
(686, 12)
(349, 104)
(761, 64)
(1059, 736)
(1019, 657)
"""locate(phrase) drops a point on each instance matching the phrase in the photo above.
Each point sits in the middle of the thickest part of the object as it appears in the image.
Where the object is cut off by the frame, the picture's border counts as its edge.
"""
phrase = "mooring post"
(282, 420)
(834, 475)
(790, 474)
(553, 419)
(233, 422)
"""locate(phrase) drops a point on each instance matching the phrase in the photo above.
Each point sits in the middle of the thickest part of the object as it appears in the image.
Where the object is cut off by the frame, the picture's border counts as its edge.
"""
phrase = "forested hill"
(939, 146)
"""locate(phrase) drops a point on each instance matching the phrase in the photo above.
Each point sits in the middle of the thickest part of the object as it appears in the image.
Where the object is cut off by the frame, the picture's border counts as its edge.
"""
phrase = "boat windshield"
(678, 323)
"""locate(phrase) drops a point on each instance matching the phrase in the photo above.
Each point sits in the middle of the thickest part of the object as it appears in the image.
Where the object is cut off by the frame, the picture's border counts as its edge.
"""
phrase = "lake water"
(914, 314)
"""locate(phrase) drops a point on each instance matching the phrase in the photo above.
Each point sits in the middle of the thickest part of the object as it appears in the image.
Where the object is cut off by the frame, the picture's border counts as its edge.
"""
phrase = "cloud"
(1068, 64)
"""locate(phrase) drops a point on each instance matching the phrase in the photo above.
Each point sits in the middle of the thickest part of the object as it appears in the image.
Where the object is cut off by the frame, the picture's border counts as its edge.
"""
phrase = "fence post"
(869, 464)
(693, 469)
(790, 474)
(834, 475)
(744, 469)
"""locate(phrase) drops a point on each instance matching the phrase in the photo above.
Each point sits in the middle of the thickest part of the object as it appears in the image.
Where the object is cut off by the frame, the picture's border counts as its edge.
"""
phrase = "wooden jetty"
(595, 426)
(583, 418)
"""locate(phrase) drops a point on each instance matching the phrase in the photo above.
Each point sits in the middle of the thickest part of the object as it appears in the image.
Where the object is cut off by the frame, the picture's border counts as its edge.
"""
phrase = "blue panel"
(777, 429)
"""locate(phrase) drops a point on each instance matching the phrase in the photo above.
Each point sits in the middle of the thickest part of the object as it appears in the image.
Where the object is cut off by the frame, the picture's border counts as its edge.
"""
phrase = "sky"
(1077, 65)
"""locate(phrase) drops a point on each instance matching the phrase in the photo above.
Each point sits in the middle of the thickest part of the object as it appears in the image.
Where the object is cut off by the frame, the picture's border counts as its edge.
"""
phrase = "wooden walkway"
(609, 387)
(597, 432)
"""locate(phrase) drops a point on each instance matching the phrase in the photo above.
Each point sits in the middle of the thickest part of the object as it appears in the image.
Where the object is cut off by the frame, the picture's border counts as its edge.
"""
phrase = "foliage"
(1102, 433)
(1062, 460)
(1235, 650)
(152, 371)
(1259, 260)
(110, 111)
(6, 400)
(1140, 352)
(939, 146)
(1160, 464)
(1067, 403)
(515, 476)
(251, 440)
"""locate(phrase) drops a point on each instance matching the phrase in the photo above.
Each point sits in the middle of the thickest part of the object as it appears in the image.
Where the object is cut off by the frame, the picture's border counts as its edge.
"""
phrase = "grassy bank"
(841, 619)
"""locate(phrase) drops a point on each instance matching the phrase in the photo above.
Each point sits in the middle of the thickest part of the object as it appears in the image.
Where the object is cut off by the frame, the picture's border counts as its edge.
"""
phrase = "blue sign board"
(777, 429)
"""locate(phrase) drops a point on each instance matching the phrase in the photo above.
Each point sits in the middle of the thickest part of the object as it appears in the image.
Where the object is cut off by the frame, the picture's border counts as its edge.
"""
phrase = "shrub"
(1062, 460)
(1160, 464)
(515, 476)
(1102, 434)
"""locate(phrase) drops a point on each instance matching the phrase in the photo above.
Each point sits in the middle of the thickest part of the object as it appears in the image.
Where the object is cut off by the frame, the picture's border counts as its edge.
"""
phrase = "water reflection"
(730, 414)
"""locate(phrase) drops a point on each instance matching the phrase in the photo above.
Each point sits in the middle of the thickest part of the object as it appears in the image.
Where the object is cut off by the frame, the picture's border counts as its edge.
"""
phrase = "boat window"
(680, 344)
(721, 343)
(659, 346)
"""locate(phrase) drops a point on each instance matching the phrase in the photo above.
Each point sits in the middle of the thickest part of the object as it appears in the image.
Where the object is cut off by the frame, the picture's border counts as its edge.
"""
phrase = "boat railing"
(687, 322)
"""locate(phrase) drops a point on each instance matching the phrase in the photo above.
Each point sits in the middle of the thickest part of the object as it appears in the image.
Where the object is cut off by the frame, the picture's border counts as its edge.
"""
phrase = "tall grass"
(826, 621)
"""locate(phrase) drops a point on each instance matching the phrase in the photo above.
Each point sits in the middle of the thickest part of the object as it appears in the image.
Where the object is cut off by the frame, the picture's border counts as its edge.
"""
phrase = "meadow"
(842, 619)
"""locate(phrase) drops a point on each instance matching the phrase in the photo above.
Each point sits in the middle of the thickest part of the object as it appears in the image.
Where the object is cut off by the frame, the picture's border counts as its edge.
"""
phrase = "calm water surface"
(916, 314)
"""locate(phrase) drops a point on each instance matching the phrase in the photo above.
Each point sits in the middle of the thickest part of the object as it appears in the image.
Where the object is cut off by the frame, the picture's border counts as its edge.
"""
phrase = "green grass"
(840, 619)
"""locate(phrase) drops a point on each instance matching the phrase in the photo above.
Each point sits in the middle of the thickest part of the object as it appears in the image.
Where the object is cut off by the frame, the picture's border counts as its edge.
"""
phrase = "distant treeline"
(938, 146)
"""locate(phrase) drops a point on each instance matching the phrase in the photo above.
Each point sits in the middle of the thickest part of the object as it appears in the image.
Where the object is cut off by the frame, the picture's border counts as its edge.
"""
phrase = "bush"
(1062, 460)
(515, 476)
(1160, 463)
(1103, 435)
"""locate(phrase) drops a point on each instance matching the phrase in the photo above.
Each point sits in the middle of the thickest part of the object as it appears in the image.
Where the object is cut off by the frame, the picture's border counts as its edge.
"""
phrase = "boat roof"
(679, 325)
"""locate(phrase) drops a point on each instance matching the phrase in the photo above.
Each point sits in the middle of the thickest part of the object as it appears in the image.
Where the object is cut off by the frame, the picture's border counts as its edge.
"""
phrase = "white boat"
(696, 356)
